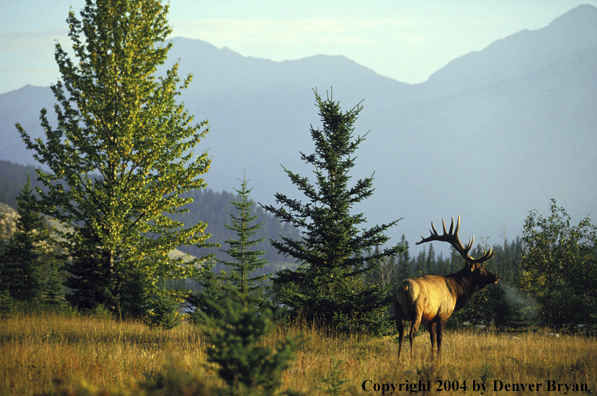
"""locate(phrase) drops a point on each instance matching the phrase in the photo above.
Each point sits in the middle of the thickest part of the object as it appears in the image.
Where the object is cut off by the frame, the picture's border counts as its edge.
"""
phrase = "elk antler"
(453, 239)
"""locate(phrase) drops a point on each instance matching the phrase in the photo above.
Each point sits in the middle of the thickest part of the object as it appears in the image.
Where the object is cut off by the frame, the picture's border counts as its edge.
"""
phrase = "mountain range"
(491, 136)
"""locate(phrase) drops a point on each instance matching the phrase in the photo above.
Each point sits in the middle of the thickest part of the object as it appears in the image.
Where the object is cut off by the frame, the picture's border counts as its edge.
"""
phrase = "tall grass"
(38, 351)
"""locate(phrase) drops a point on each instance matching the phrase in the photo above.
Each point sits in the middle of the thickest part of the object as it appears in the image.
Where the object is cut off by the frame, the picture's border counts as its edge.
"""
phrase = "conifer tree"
(219, 287)
(246, 260)
(236, 344)
(404, 262)
(430, 261)
(21, 260)
(329, 283)
(53, 288)
(214, 291)
(121, 154)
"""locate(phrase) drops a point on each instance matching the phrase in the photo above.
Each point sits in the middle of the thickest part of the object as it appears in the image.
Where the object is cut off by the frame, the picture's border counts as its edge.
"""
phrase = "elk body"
(432, 299)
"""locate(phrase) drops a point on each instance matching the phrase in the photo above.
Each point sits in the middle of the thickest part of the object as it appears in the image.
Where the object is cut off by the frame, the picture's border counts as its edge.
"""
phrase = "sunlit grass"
(37, 349)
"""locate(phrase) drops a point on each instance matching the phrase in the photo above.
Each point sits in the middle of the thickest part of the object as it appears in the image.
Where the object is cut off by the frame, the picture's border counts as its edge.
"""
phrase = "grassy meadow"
(44, 354)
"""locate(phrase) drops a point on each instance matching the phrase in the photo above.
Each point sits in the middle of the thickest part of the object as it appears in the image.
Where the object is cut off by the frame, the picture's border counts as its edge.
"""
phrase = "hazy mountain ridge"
(491, 136)
(572, 32)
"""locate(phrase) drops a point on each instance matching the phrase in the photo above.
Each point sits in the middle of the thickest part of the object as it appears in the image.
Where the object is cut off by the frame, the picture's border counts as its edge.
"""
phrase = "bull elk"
(432, 299)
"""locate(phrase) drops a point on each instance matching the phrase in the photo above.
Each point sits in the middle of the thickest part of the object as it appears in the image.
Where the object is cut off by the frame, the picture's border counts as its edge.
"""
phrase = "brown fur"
(432, 299)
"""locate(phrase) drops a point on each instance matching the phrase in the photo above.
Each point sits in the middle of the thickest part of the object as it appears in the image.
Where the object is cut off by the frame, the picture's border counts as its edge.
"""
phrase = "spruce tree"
(236, 345)
(404, 262)
(214, 291)
(219, 287)
(53, 288)
(333, 252)
(121, 154)
(22, 258)
(245, 259)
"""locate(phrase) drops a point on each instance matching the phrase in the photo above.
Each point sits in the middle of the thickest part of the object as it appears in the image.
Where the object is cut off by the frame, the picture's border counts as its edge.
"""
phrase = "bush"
(164, 313)
(7, 304)
(236, 336)
(559, 268)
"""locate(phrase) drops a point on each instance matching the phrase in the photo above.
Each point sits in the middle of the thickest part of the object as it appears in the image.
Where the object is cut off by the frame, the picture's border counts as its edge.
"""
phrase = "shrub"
(164, 313)
(245, 364)
(7, 304)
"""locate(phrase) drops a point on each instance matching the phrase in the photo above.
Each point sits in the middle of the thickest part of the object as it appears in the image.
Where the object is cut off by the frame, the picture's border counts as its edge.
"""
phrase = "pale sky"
(406, 40)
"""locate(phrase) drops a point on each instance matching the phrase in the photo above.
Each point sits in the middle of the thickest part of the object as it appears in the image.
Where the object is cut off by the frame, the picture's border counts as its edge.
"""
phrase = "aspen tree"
(122, 153)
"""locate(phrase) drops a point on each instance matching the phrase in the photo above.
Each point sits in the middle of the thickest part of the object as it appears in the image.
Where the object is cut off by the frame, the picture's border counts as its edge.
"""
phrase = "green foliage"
(164, 313)
(54, 290)
(90, 277)
(333, 382)
(488, 307)
(7, 303)
(246, 260)
(332, 252)
(559, 268)
(135, 300)
(216, 287)
(236, 346)
(100, 312)
(121, 155)
(207, 206)
(22, 258)
(403, 262)
(486, 373)
(214, 208)
(213, 292)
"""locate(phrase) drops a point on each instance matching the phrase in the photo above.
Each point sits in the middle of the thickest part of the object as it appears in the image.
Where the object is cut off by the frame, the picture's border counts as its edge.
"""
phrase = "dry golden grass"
(37, 349)
(522, 359)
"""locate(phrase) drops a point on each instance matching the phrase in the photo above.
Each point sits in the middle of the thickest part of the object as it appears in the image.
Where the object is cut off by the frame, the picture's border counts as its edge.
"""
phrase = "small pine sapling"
(236, 340)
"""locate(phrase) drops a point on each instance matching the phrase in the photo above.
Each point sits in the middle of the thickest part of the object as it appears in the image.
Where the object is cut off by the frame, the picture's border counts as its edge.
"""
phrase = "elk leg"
(440, 328)
(431, 327)
(400, 327)
(413, 330)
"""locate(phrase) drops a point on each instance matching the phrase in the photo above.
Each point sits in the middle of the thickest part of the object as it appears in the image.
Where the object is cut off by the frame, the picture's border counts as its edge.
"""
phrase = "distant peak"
(28, 87)
(583, 8)
(578, 15)
(185, 41)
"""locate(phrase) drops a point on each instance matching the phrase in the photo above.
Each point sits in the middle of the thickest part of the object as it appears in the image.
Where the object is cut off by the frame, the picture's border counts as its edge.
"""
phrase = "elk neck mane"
(462, 286)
